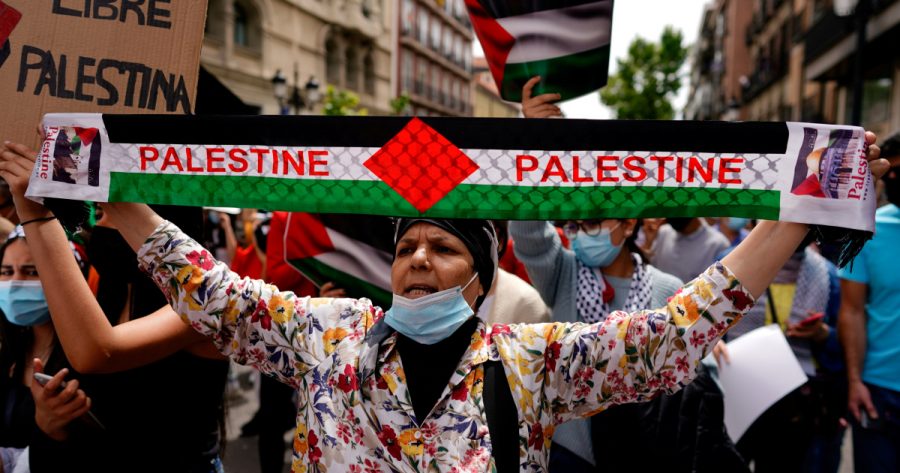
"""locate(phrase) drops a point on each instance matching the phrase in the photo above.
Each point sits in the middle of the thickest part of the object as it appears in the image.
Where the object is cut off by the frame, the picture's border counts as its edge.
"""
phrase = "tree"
(339, 103)
(647, 79)
(400, 104)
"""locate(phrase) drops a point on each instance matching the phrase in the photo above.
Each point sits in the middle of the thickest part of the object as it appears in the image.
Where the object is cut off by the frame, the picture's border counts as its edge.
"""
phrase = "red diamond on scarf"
(421, 165)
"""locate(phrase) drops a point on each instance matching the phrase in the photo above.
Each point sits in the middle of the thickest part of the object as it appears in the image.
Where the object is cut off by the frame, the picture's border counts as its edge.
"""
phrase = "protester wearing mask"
(869, 327)
(372, 394)
(30, 414)
(604, 271)
(139, 371)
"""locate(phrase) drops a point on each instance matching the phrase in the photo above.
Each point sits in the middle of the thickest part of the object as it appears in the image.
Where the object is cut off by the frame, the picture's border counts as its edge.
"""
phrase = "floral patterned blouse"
(354, 409)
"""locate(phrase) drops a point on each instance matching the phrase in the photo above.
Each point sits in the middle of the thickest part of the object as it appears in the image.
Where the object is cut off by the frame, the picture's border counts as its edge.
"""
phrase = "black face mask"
(679, 223)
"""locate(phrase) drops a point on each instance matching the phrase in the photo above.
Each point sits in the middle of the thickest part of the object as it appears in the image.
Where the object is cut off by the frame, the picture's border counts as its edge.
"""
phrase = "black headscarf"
(479, 237)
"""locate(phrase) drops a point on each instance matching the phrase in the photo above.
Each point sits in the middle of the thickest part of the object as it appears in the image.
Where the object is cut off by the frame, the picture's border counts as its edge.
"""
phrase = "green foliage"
(647, 79)
(399, 104)
(341, 103)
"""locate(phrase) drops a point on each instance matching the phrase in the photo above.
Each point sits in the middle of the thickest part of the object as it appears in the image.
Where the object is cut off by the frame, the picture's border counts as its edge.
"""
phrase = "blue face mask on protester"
(596, 251)
(432, 318)
(737, 223)
(23, 303)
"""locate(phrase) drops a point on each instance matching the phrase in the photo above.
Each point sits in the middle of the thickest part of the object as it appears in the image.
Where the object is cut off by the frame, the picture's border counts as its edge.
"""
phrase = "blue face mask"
(432, 318)
(737, 223)
(596, 251)
(23, 303)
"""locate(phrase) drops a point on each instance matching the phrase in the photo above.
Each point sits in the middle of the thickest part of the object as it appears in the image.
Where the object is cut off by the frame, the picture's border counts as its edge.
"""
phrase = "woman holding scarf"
(404, 390)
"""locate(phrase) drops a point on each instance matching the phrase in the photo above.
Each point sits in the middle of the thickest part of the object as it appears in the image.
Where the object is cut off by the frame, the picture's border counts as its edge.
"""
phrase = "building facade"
(434, 57)
(488, 103)
(802, 56)
(343, 43)
(719, 62)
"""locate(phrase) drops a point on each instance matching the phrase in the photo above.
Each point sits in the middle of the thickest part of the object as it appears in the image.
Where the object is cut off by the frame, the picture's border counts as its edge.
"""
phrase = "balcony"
(764, 75)
(825, 34)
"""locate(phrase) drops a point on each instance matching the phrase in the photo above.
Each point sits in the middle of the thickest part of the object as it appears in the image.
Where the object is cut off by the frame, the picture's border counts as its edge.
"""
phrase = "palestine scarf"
(595, 293)
(469, 168)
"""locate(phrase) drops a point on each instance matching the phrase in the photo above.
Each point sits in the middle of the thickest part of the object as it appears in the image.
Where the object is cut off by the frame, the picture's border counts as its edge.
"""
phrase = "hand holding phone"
(812, 319)
(89, 417)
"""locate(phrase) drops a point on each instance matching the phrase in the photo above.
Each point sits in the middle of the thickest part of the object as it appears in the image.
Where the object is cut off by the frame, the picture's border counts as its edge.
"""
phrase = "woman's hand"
(877, 165)
(540, 106)
(720, 352)
(55, 407)
(329, 289)
(16, 164)
(817, 332)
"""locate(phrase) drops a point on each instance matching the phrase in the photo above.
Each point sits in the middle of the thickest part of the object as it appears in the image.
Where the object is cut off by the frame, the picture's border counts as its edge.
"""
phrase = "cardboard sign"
(108, 56)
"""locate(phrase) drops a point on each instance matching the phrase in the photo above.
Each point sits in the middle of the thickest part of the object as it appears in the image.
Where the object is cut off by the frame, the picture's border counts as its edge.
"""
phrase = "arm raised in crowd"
(249, 320)
(540, 249)
(91, 343)
(757, 259)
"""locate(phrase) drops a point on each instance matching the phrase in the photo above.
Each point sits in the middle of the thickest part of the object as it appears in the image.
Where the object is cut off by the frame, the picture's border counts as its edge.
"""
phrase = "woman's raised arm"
(91, 343)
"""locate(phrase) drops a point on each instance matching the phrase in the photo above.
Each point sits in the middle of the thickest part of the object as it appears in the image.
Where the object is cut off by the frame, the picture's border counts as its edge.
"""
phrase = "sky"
(631, 19)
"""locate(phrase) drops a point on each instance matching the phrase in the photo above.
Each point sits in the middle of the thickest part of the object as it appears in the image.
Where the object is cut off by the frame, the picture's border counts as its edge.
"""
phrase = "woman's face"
(17, 264)
(619, 229)
(429, 259)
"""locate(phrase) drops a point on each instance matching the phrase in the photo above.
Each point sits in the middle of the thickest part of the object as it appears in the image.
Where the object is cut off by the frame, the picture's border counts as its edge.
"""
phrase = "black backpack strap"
(502, 418)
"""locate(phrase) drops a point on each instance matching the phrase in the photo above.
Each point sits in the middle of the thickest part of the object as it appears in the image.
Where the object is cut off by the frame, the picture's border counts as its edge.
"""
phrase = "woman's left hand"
(55, 408)
(879, 166)
(16, 164)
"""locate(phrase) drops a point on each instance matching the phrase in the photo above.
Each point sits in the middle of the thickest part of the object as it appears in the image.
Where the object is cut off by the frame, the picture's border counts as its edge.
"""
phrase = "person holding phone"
(802, 430)
(29, 345)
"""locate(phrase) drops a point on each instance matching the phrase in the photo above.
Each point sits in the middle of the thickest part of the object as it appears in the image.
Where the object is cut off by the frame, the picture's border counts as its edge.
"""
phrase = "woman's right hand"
(55, 408)
(16, 164)
(330, 289)
(720, 351)
(541, 106)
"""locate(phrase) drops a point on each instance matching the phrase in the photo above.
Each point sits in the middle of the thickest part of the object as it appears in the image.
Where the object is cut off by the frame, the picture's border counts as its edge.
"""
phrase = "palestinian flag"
(353, 252)
(566, 42)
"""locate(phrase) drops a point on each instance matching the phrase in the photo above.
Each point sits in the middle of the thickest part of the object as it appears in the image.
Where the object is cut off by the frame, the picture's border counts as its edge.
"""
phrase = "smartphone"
(813, 318)
(90, 418)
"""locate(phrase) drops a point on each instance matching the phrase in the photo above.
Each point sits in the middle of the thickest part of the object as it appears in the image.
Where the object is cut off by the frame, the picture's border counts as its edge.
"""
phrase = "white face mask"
(432, 318)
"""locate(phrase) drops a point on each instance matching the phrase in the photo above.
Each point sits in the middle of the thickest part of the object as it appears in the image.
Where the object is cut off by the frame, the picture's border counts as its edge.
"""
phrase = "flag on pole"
(566, 42)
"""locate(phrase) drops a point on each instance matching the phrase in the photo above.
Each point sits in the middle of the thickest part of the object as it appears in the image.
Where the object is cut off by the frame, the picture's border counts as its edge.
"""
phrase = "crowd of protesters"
(130, 387)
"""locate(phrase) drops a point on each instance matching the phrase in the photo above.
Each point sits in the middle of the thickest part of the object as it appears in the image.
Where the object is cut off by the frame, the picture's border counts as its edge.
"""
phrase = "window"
(445, 90)
(215, 27)
(241, 26)
(352, 65)
(435, 83)
(369, 72)
(407, 72)
(447, 48)
(422, 30)
(408, 17)
(421, 75)
(436, 33)
(332, 62)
